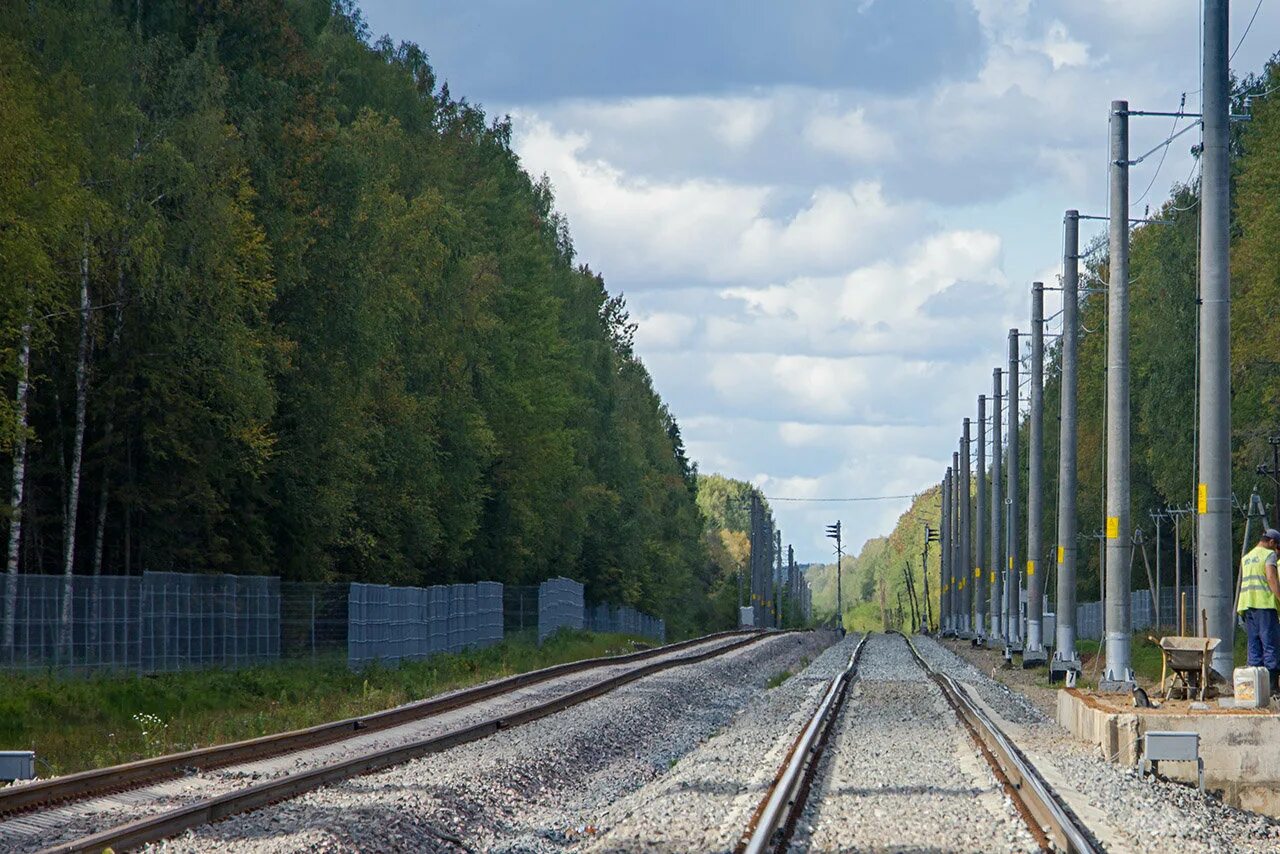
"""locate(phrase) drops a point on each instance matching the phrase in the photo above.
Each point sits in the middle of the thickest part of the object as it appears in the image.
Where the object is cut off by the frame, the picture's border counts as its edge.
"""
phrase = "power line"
(858, 498)
(1248, 27)
(1164, 152)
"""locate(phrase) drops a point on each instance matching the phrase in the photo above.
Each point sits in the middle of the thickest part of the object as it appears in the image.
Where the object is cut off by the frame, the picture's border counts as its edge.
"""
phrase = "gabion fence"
(560, 605)
(625, 620)
(392, 624)
(154, 622)
(166, 621)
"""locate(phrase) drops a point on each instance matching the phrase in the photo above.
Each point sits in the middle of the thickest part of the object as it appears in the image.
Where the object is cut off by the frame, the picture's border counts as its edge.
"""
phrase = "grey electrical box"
(17, 765)
(1172, 746)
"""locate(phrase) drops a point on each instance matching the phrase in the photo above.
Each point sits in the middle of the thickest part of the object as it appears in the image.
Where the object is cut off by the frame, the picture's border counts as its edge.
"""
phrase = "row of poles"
(982, 570)
(780, 595)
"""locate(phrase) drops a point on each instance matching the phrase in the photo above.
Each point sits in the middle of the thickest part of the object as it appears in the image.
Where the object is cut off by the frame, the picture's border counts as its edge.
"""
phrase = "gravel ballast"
(539, 787)
(901, 774)
(707, 799)
(1136, 814)
(26, 832)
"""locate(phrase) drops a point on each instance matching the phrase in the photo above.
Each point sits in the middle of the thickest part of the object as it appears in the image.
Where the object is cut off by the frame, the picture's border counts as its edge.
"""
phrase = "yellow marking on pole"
(993, 577)
(1203, 502)
(1031, 567)
(1010, 561)
(1113, 527)
(977, 572)
(1062, 554)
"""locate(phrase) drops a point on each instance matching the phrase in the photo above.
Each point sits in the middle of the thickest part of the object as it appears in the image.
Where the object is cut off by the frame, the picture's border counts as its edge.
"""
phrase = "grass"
(77, 723)
(783, 675)
(778, 678)
(1144, 657)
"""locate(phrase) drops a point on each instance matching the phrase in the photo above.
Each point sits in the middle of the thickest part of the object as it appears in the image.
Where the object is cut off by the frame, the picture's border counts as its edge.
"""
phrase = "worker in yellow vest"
(1259, 601)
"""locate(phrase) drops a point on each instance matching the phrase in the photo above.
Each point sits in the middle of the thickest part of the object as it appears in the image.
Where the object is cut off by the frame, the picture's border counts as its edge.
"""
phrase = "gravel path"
(901, 774)
(30, 831)
(1136, 814)
(539, 787)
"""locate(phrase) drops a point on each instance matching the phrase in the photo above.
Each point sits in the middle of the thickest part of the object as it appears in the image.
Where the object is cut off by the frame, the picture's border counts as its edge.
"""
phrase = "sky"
(826, 215)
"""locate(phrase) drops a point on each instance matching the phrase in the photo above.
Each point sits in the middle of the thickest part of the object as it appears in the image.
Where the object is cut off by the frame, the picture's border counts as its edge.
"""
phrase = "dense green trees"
(334, 331)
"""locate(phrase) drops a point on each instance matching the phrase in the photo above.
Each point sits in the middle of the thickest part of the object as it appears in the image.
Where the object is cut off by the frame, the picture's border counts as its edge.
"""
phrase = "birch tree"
(77, 454)
(19, 479)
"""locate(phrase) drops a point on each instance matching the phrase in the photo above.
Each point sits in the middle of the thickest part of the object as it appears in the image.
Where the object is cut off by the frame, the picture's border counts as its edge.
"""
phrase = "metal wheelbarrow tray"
(1188, 658)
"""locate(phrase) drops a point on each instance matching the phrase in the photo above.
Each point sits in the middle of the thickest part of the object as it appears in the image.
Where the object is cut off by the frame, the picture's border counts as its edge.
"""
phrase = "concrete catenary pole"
(1013, 575)
(1034, 652)
(1065, 651)
(966, 534)
(954, 522)
(996, 574)
(944, 556)
(980, 564)
(1119, 550)
(1213, 520)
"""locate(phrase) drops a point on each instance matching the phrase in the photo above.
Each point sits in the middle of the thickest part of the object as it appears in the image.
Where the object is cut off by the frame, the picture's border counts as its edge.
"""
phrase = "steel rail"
(774, 819)
(172, 822)
(118, 778)
(1051, 821)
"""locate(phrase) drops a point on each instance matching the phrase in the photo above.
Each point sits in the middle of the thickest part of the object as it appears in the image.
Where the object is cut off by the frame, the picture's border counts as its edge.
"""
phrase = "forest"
(274, 300)
(1163, 300)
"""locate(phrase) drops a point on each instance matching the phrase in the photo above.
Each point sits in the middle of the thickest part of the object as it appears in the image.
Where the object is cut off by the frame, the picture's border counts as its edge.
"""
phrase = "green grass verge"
(1144, 656)
(75, 724)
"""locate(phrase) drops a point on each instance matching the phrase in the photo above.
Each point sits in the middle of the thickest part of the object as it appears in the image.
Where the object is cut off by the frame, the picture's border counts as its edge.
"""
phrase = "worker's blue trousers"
(1263, 630)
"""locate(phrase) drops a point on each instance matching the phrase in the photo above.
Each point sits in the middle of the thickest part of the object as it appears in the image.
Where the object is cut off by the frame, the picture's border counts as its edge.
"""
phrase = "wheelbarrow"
(1186, 665)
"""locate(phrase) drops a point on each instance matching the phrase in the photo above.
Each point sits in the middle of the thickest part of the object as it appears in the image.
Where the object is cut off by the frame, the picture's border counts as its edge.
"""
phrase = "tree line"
(273, 300)
(1163, 293)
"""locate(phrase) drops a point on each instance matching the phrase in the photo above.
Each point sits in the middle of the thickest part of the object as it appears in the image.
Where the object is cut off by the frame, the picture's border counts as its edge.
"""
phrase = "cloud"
(641, 229)
(849, 135)
(663, 330)
(823, 248)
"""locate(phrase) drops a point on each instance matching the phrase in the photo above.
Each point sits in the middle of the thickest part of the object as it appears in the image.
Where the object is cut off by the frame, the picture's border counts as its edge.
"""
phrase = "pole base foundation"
(1116, 686)
(1033, 658)
(1060, 667)
(965, 635)
(979, 641)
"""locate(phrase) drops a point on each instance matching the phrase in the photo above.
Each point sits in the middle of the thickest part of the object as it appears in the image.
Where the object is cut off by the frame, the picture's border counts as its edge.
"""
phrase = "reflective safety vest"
(1254, 590)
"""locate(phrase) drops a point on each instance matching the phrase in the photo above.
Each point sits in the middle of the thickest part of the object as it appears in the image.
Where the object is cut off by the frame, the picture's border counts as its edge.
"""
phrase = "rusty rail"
(774, 819)
(117, 778)
(1052, 823)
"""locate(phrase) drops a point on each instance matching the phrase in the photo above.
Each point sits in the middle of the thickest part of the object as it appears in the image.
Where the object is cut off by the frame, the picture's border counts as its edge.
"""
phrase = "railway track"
(774, 819)
(1051, 823)
(59, 809)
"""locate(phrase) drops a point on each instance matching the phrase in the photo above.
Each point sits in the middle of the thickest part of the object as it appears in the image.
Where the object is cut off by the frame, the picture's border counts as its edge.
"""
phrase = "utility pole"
(793, 588)
(1034, 653)
(1119, 674)
(1013, 578)
(1064, 655)
(777, 577)
(979, 528)
(930, 536)
(757, 555)
(997, 513)
(1213, 522)
(957, 561)
(833, 532)
(944, 557)
(966, 538)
